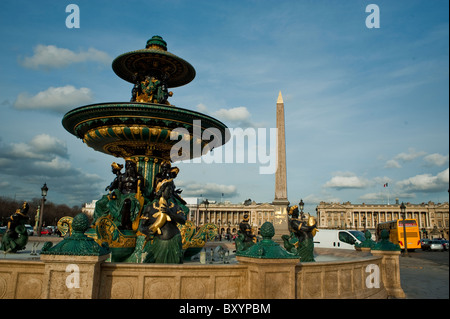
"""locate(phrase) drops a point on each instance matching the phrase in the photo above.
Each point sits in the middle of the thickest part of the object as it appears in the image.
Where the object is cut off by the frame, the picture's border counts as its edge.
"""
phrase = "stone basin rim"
(131, 109)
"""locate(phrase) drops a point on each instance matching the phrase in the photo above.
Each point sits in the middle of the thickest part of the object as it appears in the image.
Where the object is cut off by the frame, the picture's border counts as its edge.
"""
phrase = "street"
(425, 274)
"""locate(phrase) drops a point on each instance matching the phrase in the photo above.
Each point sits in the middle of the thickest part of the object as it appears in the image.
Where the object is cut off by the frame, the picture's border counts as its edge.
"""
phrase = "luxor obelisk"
(281, 202)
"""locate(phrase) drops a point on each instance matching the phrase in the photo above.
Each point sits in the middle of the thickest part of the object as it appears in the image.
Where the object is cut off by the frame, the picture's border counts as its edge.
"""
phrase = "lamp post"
(403, 212)
(301, 205)
(44, 190)
(206, 202)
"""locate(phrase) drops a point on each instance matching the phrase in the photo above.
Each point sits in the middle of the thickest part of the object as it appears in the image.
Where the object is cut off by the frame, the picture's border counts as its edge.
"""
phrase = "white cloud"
(436, 159)
(26, 165)
(54, 167)
(50, 56)
(207, 190)
(316, 199)
(237, 114)
(23, 150)
(392, 164)
(44, 143)
(56, 99)
(426, 182)
(202, 108)
(404, 157)
(373, 197)
(409, 156)
(346, 180)
(381, 197)
(41, 147)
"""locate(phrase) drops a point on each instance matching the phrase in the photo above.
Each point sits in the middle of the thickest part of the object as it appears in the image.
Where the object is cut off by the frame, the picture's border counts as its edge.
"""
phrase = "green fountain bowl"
(125, 129)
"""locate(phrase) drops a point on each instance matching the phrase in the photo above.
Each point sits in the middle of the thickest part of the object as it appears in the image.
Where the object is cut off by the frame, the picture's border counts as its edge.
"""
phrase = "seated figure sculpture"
(245, 238)
(124, 201)
(16, 236)
(301, 239)
(158, 222)
(152, 90)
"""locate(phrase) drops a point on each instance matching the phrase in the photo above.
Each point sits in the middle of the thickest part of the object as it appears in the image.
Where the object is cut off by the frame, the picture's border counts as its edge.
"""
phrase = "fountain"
(144, 132)
(141, 226)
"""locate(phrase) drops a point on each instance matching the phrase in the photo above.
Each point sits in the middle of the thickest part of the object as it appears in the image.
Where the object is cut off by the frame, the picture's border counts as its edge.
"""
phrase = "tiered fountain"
(143, 132)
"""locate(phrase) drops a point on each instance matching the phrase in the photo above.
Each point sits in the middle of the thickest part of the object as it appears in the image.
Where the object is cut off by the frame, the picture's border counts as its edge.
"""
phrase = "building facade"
(432, 219)
(227, 216)
(88, 208)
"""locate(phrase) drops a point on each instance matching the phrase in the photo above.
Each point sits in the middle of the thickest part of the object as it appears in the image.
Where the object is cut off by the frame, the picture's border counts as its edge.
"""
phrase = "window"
(346, 238)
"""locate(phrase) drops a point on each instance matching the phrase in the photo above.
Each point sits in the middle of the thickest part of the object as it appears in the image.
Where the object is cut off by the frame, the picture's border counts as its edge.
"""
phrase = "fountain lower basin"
(335, 274)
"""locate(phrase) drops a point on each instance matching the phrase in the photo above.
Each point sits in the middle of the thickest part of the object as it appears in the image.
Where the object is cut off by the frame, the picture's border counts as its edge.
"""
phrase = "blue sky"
(364, 107)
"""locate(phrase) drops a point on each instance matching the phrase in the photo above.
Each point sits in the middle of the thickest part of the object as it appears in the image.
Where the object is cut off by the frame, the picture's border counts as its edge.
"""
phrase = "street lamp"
(206, 202)
(301, 205)
(44, 191)
(403, 212)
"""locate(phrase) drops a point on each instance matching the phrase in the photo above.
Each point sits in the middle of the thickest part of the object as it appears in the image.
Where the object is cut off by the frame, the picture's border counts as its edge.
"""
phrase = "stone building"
(432, 218)
(88, 208)
(227, 216)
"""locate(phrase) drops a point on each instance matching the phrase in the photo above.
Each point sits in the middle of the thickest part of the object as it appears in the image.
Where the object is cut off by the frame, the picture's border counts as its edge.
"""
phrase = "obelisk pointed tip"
(280, 98)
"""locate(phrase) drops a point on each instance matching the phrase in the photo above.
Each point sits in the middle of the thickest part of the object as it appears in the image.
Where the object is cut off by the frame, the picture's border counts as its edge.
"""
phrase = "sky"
(366, 105)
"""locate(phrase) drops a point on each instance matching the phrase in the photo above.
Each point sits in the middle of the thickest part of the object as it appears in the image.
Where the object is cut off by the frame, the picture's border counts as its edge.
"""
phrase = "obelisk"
(281, 202)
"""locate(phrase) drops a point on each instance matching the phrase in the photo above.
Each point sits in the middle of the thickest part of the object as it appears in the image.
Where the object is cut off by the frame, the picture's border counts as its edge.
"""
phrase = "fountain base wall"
(251, 278)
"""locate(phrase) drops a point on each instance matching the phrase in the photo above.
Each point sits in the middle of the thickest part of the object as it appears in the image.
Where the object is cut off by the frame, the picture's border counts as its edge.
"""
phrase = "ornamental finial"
(156, 42)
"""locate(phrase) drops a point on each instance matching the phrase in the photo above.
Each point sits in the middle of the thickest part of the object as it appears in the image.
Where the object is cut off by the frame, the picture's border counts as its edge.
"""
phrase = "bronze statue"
(302, 232)
(245, 238)
(136, 88)
(16, 236)
(152, 90)
(159, 220)
(125, 200)
(116, 169)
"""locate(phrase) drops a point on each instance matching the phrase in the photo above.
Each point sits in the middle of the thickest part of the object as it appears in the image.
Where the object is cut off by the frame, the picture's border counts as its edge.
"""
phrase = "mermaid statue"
(159, 220)
(245, 238)
(125, 199)
(302, 232)
(16, 236)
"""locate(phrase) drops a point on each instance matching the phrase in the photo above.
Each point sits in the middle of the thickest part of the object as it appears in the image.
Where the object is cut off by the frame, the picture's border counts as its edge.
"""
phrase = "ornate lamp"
(301, 205)
(44, 191)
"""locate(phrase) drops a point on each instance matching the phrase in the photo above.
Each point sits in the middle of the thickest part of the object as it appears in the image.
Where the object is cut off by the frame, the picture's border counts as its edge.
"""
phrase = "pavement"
(425, 279)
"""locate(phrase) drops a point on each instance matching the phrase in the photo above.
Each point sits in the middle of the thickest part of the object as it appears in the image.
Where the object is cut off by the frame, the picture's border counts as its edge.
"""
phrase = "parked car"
(437, 245)
(30, 229)
(339, 239)
(425, 243)
(46, 231)
(445, 242)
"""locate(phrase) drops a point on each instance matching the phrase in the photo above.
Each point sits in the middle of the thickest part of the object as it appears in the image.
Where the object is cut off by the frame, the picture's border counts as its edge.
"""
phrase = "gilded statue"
(302, 232)
(245, 237)
(160, 218)
(125, 200)
(16, 236)
(151, 90)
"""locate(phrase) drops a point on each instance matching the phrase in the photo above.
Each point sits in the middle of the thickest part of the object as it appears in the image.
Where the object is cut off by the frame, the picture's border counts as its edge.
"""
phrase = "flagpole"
(386, 185)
